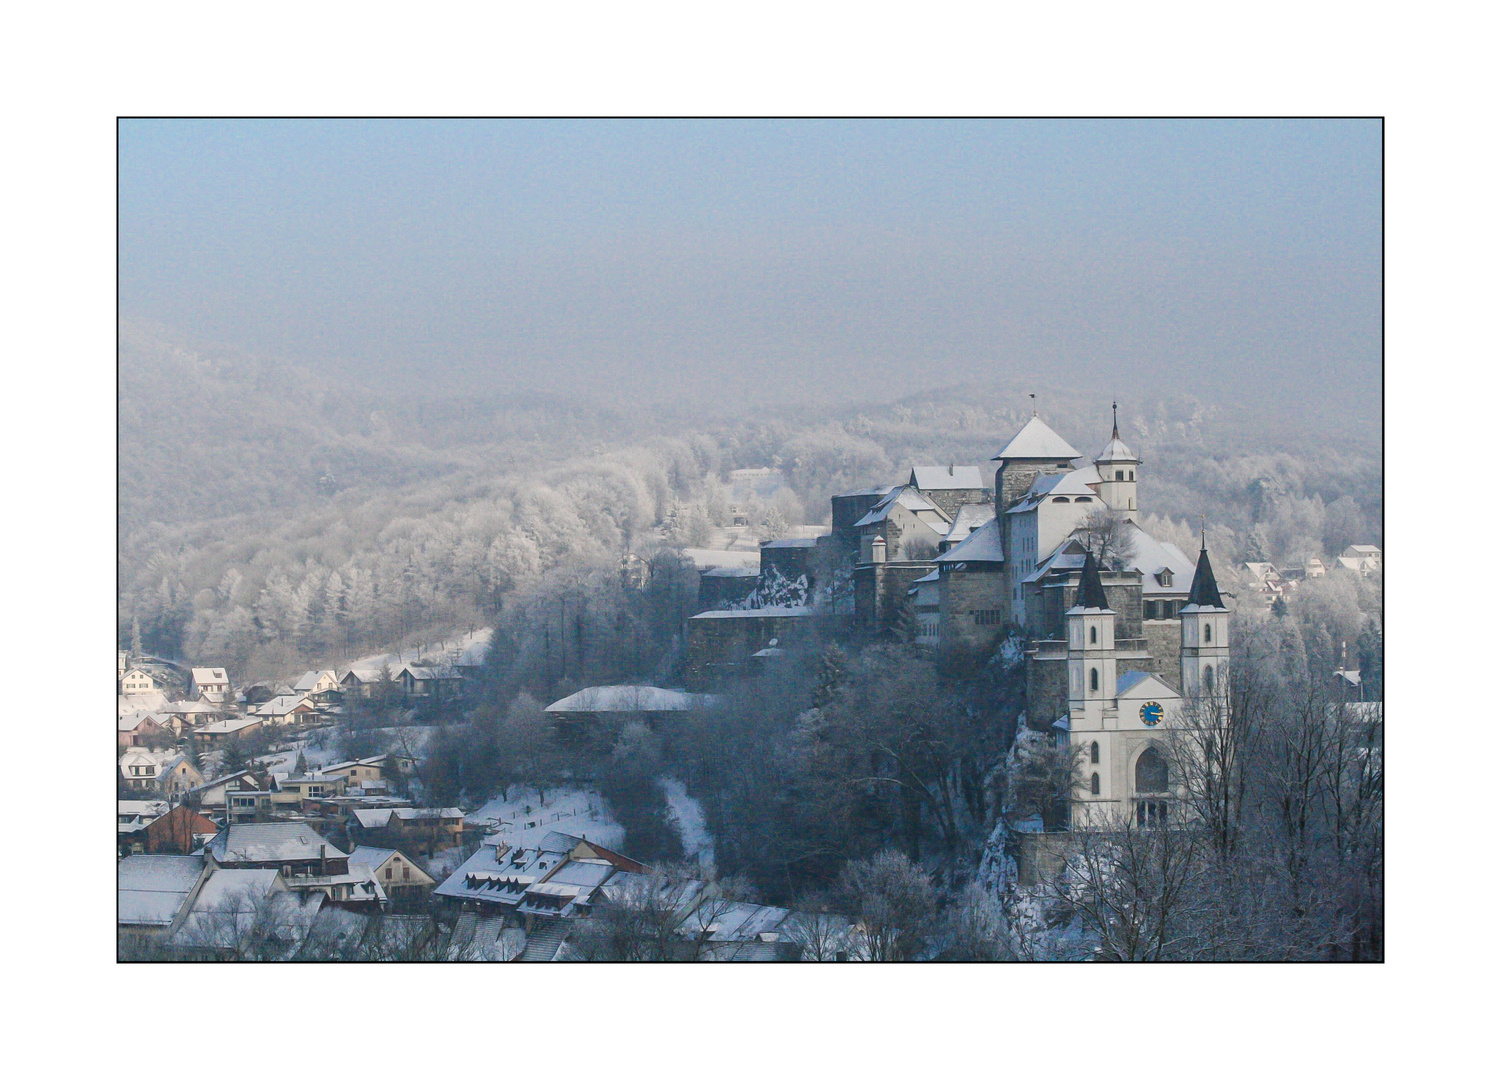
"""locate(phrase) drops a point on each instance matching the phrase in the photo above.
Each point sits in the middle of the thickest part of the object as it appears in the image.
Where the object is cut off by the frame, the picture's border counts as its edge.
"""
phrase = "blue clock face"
(1151, 714)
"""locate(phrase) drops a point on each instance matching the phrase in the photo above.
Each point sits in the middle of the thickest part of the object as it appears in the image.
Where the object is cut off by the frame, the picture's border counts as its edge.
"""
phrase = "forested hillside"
(269, 519)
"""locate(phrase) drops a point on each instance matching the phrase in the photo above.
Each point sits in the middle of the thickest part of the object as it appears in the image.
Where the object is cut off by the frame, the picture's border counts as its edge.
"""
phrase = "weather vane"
(1034, 403)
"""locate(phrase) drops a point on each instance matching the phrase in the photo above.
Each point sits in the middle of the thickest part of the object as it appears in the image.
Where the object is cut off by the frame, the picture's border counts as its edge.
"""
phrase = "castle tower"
(1117, 466)
(1091, 653)
(1205, 653)
(1033, 451)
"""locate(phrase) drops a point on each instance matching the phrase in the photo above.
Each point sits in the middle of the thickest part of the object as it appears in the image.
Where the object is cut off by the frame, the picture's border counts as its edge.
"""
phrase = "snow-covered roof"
(627, 699)
(225, 908)
(282, 841)
(1116, 451)
(1151, 556)
(229, 726)
(731, 572)
(133, 720)
(982, 545)
(931, 575)
(784, 612)
(969, 518)
(708, 558)
(153, 888)
(946, 477)
(794, 542)
(309, 680)
(1036, 441)
(281, 705)
(1073, 485)
(190, 708)
(906, 497)
(202, 675)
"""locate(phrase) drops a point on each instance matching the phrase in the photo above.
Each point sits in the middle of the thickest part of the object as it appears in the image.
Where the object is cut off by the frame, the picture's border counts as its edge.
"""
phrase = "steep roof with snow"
(153, 888)
(946, 477)
(1037, 442)
(209, 675)
(628, 699)
(789, 611)
(908, 498)
(982, 546)
(969, 518)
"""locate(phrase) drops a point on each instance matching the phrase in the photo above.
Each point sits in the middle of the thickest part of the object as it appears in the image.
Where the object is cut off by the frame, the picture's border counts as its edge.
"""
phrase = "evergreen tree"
(135, 637)
(832, 669)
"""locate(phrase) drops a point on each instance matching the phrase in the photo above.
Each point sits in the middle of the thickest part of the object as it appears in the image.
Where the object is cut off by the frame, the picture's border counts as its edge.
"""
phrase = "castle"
(1118, 629)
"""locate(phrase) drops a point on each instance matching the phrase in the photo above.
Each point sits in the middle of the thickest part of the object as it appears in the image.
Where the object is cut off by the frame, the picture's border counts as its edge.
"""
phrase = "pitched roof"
(780, 612)
(946, 477)
(1036, 442)
(969, 518)
(310, 679)
(982, 545)
(626, 699)
(1204, 592)
(1115, 450)
(1091, 594)
(907, 497)
(152, 888)
(287, 841)
(203, 675)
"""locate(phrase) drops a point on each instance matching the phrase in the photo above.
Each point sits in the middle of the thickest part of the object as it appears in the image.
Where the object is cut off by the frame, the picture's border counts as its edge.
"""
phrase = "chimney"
(323, 860)
(951, 468)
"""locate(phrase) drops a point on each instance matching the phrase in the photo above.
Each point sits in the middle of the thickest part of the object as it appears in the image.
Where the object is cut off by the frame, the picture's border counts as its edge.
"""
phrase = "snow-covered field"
(467, 649)
(687, 817)
(525, 816)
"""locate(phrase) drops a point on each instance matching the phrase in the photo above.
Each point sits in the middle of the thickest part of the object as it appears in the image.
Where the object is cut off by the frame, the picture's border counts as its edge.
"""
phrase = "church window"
(1094, 783)
(1151, 772)
(1093, 635)
(1094, 678)
(1120, 474)
(1208, 635)
(1133, 475)
(1060, 498)
(1094, 753)
(1208, 677)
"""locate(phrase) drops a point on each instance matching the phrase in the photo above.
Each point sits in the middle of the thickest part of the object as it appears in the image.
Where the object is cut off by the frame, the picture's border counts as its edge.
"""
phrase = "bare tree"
(893, 902)
(1110, 536)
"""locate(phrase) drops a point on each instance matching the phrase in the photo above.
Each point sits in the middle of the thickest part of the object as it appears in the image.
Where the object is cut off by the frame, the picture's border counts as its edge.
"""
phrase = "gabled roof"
(310, 679)
(983, 545)
(1145, 682)
(282, 704)
(1058, 485)
(288, 841)
(946, 477)
(1037, 442)
(969, 518)
(907, 497)
(1204, 592)
(203, 675)
(229, 726)
(153, 888)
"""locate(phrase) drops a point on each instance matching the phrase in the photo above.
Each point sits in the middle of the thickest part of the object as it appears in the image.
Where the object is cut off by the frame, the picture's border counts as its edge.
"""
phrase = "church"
(1119, 630)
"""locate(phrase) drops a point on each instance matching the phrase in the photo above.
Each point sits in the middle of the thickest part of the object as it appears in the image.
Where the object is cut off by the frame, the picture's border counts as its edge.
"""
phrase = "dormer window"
(1165, 578)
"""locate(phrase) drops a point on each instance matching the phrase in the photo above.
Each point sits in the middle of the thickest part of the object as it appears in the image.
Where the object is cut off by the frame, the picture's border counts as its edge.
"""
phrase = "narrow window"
(1120, 474)
(1094, 783)
(1208, 677)
(1094, 753)
(1092, 636)
(1133, 474)
(1207, 635)
(1094, 678)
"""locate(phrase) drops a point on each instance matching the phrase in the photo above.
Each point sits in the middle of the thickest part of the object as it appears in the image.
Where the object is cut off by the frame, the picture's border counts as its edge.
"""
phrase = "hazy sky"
(745, 258)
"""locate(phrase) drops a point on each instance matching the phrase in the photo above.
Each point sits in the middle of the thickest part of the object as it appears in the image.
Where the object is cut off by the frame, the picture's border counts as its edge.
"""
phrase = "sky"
(783, 261)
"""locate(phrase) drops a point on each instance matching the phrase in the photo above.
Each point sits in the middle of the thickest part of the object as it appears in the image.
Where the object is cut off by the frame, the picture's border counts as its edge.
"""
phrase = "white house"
(316, 682)
(137, 681)
(209, 684)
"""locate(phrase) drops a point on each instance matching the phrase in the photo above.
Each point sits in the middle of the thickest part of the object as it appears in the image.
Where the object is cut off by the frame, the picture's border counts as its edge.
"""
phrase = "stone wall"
(1165, 642)
(720, 647)
(962, 636)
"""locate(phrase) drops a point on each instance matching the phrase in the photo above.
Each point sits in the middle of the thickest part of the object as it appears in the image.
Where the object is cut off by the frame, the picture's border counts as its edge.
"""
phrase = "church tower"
(1091, 653)
(1117, 466)
(1205, 622)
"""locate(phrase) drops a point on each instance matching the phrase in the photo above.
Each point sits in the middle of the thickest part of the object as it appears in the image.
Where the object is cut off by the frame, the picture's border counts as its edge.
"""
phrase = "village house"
(169, 772)
(396, 873)
(289, 792)
(217, 732)
(183, 716)
(239, 797)
(313, 683)
(137, 681)
(287, 710)
(134, 815)
(721, 643)
(361, 683)
(370, 770)
(306, 860)
(427, 829)
(209, 684)
(1364, 559)
(246, 914)
(428, 682)
(154, 892)
(138, 728)
(180, 831)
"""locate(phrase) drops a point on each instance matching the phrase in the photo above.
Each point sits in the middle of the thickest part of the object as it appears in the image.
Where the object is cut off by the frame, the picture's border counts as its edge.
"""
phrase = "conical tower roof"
(1204, 592)
(1116, 451)
(1037, 442)
(1091, 588)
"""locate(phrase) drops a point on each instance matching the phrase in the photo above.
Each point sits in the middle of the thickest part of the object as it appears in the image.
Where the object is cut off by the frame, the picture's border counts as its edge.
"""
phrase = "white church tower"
(1091, 653)
(1117, 466)
(1205, 656)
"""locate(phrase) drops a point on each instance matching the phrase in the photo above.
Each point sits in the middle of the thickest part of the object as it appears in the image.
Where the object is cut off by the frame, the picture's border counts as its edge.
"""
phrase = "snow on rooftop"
(627, 699)
(710, 558)
(946, 477)
(152, 888)
(1036, 441)
(786, 612)
(982, 545)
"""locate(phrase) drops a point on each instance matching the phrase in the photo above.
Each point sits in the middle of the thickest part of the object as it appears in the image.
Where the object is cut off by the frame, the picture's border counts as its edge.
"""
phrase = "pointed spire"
(1204, 592)
(1091, 589)
(1115, 425)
